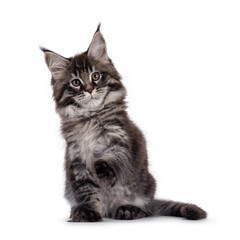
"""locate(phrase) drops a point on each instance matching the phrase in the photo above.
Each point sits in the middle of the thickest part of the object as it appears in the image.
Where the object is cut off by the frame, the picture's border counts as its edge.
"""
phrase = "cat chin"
(85, 109)
(94, 104)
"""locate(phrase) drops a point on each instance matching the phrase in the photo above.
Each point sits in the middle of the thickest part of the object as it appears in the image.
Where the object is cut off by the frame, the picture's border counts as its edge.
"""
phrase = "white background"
(180, 63)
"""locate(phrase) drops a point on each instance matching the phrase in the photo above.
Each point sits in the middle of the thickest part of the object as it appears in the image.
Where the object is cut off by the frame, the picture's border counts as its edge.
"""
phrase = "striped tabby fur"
(106, 160)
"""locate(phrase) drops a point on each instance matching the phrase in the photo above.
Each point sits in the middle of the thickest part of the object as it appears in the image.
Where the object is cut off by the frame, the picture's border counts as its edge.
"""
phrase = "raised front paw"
(193, 212)
(82, 214)
(129, 212)
(105, 172)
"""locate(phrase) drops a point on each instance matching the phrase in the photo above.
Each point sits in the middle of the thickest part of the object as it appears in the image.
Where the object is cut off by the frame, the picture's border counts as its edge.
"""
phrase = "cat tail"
(177, 209)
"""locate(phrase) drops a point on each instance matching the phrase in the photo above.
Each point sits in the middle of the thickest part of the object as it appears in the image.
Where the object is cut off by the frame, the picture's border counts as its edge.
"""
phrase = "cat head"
(86, 82)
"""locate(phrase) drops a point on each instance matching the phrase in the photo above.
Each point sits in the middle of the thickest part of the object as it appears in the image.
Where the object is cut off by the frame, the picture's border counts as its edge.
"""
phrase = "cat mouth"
(95, 96)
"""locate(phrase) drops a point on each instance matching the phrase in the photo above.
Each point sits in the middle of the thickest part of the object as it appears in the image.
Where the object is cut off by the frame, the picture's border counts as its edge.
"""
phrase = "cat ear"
(56, 63)
(98, 48)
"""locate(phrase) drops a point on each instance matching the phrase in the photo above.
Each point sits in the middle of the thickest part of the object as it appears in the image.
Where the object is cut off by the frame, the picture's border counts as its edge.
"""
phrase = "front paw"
(105, 172)
(82, 214)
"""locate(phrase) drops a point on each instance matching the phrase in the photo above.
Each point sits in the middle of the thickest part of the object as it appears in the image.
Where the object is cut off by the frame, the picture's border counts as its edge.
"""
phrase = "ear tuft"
(44, 49)
(55, 62)
(98, 27)
(98, 48)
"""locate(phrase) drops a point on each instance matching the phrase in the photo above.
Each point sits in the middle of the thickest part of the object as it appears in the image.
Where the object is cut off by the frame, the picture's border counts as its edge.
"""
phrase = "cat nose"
(89, 89)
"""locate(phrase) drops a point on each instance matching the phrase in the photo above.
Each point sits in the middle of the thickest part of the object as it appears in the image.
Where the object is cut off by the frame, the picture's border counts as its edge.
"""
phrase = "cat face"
(86, 82)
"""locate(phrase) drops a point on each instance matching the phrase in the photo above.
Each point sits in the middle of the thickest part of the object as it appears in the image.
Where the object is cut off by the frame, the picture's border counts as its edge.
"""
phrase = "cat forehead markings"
(83, 76)
(81, 63)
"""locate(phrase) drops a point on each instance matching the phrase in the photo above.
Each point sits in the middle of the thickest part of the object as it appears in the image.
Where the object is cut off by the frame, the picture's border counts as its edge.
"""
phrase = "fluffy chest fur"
(87, 140)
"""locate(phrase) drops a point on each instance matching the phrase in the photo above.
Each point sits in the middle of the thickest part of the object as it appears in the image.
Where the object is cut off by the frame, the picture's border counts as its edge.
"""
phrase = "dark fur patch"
(105, 172)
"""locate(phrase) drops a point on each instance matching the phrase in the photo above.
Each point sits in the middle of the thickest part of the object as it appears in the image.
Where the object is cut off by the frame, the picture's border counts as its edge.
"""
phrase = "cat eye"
(75, 82)
(95, 76)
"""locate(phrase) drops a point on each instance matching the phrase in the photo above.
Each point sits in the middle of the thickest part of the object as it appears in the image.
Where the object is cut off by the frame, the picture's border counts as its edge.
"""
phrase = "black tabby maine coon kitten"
(106, 159)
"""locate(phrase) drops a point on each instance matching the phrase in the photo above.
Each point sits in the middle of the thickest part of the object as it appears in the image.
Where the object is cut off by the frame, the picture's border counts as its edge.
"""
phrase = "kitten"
(106, 159)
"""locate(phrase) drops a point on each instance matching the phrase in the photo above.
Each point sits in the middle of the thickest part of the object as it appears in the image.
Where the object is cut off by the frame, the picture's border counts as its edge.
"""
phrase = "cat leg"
(85, 191)
(114, 165)
(129, 212)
